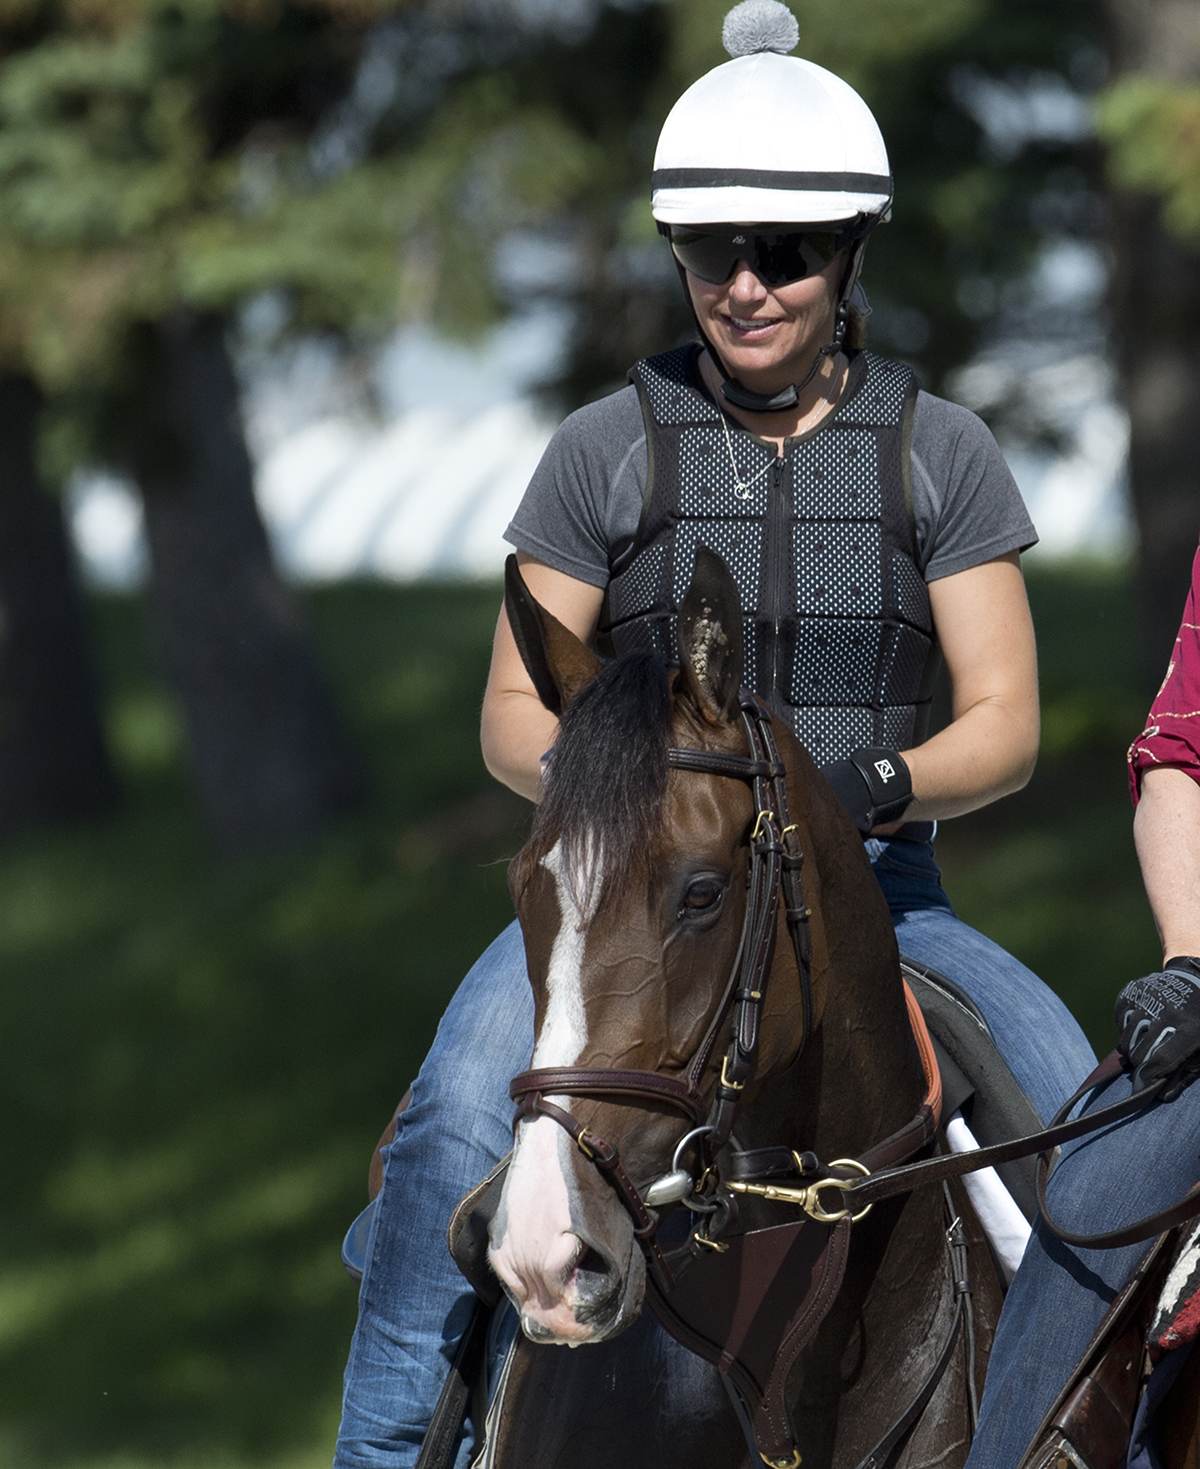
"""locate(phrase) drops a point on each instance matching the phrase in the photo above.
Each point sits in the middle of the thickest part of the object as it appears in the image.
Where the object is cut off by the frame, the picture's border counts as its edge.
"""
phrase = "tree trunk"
(1155, 301)
(270, 760)
(54, 764)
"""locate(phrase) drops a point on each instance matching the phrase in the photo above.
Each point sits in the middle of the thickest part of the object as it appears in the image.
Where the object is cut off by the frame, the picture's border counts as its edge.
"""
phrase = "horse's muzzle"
(595, 1301)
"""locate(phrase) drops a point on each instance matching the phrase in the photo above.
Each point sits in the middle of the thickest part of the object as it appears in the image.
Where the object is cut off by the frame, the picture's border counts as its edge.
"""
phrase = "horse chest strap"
(752, 1310)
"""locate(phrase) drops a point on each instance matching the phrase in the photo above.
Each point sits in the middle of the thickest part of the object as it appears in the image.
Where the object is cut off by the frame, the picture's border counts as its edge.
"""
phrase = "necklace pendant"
(742, 489)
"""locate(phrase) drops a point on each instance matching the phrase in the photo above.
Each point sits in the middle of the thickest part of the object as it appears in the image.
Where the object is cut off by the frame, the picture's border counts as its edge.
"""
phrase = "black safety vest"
(838, 632)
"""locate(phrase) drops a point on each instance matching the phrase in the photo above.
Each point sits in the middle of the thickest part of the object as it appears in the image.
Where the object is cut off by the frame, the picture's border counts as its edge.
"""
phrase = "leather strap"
(890, 1181)
(716, 762)
(440, 1444)
(879, 1454)
(580, 1081)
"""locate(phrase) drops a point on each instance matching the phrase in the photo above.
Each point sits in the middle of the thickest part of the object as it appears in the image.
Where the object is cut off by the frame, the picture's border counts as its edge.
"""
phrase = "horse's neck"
(859, 1078)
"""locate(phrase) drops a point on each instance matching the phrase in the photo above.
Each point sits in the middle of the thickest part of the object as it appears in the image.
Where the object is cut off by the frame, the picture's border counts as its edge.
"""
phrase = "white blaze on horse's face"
(564, 1029)
(535, 1247)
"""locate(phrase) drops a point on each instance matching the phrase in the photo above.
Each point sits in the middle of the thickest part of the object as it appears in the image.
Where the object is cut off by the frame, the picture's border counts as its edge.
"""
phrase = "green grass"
(198, 1056)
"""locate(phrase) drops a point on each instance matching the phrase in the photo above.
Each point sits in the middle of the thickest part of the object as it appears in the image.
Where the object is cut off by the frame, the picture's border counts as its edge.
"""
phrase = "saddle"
(1132, 1397)
(976, 1080)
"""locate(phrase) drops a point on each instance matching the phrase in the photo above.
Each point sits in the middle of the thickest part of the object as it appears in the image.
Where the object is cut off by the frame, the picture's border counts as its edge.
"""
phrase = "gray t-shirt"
(583, 504)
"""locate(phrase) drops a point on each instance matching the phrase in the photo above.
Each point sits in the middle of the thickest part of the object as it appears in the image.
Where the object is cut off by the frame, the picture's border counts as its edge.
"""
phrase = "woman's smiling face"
(767, 336)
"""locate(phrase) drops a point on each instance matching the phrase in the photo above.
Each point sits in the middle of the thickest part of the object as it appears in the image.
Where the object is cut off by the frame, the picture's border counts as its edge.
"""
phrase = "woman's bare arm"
(990, 748)
(1166, 829)
(517, 729)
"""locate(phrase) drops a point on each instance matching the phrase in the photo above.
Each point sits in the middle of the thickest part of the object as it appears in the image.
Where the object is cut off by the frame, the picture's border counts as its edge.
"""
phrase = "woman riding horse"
(866, 524)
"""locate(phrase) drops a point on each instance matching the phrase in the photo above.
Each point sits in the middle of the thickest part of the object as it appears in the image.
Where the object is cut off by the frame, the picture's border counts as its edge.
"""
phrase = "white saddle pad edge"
(1005, 1226)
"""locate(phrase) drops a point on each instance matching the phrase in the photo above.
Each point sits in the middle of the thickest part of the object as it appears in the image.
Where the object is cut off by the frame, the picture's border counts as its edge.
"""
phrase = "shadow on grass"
(199, 1057)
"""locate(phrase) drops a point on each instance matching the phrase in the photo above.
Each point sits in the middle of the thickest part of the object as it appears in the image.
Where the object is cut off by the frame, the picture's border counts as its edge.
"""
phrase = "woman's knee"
(485, 1037)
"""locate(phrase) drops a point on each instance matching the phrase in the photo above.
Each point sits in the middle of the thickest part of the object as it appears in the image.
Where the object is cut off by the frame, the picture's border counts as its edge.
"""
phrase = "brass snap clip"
(809, 1198)
(812, 1204)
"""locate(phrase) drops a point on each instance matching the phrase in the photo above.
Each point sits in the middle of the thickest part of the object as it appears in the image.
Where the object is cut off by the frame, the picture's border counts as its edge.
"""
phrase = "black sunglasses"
(777, 257)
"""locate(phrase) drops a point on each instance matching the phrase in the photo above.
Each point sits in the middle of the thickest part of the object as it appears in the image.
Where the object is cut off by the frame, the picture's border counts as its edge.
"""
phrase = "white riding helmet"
(768, 137)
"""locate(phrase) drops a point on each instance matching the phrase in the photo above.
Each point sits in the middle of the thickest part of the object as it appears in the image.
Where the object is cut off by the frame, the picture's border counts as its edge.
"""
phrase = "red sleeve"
(1172, 733)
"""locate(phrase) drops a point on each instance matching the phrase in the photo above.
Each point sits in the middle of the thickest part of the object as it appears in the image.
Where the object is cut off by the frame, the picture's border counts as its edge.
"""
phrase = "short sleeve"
(966, 504)
(584, 501)
(1172, 733)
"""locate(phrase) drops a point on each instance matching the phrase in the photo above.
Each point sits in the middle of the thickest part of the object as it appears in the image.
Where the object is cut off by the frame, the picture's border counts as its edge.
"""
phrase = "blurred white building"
(424, 482)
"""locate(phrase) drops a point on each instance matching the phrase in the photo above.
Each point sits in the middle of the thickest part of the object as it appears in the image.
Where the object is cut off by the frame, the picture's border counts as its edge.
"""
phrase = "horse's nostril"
(591, 1262)
(597, 1290)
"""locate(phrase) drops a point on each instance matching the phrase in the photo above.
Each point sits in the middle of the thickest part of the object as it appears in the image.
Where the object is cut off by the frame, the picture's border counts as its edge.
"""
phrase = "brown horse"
(632, 894)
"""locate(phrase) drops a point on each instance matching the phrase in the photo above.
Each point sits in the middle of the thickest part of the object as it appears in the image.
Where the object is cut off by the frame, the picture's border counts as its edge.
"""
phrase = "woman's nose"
(745, 285)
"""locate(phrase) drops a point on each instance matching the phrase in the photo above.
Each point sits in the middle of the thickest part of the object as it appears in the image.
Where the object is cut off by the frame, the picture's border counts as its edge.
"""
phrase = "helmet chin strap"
(787, 398)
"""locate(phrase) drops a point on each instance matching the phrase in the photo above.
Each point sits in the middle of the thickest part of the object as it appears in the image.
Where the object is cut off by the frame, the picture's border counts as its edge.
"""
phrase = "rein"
(864, 1192)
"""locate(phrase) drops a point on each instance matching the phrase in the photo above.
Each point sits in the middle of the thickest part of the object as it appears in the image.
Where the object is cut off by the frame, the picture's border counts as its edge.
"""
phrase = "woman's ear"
(556, 661)
(710, 638)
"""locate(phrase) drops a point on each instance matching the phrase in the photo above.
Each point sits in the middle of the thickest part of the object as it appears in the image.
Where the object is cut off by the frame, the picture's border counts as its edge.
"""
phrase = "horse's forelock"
(603, 793)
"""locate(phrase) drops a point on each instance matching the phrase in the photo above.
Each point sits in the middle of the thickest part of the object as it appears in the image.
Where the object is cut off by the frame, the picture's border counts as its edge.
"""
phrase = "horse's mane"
(603, 793)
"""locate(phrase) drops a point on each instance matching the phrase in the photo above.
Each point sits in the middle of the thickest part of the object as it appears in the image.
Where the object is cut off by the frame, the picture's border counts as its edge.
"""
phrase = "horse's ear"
(710, 637)
(557, 662)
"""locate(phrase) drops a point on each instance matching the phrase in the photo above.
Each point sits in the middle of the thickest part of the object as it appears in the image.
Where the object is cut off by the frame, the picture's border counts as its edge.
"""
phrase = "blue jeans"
(1059, 1294)
(414, 1305)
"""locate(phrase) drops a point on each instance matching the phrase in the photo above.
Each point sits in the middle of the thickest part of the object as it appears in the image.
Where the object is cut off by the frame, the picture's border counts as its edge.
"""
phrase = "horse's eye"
(702, 896)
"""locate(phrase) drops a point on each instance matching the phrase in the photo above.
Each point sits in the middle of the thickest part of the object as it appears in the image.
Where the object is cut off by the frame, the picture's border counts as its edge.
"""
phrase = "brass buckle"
(587, 1152)
(726, 1082)
(809, 1198)
(792, 1463)
(718, 1246)
(767, 815)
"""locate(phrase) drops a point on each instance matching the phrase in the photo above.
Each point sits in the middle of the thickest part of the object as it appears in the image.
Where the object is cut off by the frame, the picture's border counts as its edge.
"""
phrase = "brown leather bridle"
(776, 863)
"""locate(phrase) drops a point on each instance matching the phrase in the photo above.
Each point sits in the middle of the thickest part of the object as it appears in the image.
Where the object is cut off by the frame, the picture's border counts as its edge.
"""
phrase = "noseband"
(775, 867)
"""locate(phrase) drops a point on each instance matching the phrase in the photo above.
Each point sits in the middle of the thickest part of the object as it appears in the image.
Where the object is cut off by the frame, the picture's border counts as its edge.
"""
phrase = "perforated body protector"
(838, 632)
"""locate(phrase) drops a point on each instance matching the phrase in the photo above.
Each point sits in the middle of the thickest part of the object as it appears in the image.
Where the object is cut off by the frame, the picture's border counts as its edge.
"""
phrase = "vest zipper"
(778, 562)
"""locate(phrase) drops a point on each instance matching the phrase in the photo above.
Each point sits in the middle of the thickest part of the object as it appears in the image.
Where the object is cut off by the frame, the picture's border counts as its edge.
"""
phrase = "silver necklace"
(742, 487)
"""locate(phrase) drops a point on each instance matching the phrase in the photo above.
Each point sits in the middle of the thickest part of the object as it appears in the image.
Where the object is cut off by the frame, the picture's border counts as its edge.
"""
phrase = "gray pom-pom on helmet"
(760, 25)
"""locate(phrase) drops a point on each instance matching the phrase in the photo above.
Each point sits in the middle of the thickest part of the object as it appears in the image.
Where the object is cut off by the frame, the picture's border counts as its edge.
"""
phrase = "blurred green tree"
(137, 161)
(54, 763)
(161, 165)
(1150, 119)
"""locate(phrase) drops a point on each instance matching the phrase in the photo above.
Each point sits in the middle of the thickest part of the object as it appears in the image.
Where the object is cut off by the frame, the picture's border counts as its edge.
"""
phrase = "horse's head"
(631, 894)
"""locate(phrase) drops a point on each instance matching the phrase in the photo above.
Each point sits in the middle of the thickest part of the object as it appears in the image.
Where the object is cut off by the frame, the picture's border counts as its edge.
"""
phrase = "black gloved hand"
(1159, 1020)
(873, 784)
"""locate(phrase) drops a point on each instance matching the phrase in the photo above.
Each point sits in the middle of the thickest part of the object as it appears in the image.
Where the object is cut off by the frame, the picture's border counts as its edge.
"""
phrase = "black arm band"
(873, 784)
(888, 779)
